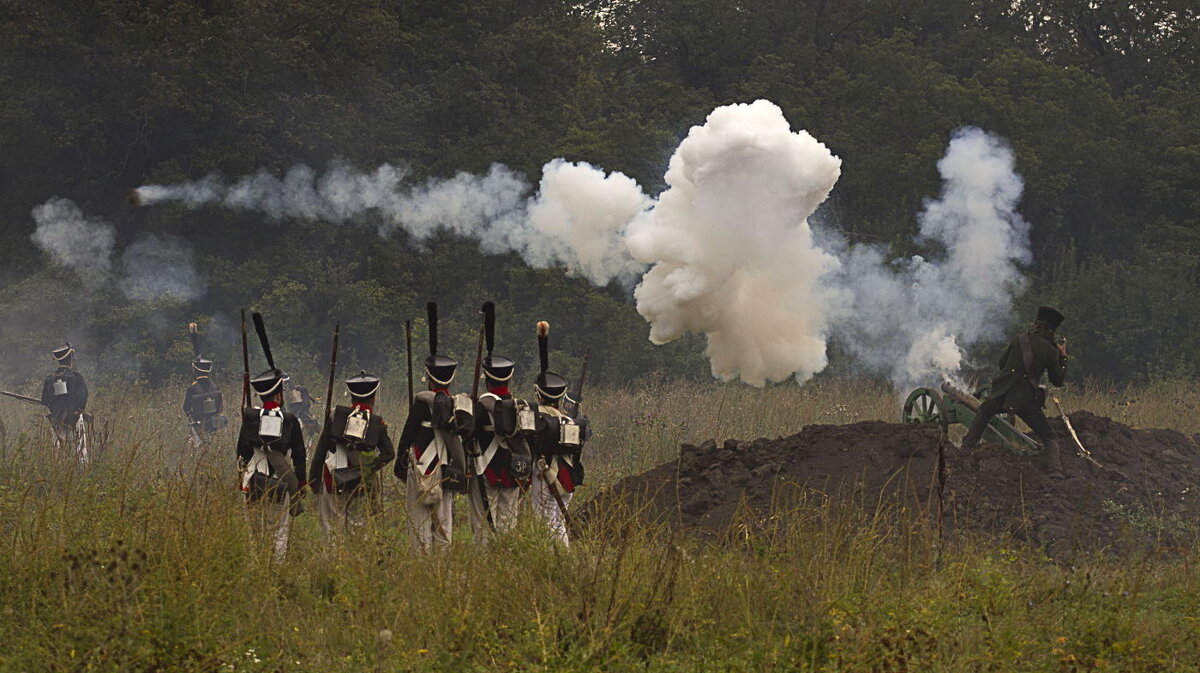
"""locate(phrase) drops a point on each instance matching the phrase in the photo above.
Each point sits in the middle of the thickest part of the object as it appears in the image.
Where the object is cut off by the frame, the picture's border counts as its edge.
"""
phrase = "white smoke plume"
(153, 267)
(732, 250)
(728, 245)
(911, 319)
(575, 220)
(84, 245)
(160, 266)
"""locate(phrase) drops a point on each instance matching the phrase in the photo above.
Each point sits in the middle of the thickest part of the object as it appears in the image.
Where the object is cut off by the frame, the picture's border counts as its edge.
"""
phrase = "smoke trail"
(732, 250)
(575, 220)
(81, 244)
(911, 319)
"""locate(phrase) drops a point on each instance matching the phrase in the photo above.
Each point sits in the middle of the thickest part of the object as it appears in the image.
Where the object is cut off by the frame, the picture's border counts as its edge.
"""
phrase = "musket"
(577, 394)
(408, 351)
(337, 328)
(23, 398)
(479, 479)
(245, 365)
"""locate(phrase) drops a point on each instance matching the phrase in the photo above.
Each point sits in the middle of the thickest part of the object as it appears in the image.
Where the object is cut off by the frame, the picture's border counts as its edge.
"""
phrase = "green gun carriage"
(950, 406)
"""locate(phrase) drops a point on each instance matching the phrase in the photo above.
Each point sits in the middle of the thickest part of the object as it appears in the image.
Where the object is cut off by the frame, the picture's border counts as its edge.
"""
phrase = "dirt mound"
(1146, 491)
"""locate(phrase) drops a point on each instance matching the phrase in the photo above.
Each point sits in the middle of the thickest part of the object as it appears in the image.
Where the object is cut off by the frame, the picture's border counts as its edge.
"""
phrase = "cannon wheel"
(924, 406)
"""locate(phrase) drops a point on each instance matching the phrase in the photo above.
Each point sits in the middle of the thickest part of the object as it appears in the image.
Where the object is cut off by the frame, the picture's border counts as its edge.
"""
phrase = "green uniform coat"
(1012, 384)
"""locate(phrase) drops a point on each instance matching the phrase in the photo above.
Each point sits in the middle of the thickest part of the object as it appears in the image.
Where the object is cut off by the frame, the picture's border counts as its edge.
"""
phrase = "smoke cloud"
(160, 266)
(727, 250)
(84, 245)
(732, 250)
(151, 268)
(911, 319)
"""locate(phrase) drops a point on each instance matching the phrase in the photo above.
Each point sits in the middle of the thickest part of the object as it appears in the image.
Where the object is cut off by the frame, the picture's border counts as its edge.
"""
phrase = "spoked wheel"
(923, 407)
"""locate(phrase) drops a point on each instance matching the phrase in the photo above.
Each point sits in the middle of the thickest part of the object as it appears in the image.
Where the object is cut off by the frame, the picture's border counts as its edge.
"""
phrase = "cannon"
(950, 405)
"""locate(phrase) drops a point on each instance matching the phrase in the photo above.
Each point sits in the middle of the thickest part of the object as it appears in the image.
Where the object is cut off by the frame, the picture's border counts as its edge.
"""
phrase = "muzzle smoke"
(726, 250)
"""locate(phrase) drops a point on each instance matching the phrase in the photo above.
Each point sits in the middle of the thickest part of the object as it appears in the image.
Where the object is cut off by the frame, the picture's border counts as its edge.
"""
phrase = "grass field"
(142, 562)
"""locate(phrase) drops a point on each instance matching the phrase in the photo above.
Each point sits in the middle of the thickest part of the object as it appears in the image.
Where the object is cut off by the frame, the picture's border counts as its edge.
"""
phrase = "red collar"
(500, 391)
(360, 405)
(270, 405)
(441, 390)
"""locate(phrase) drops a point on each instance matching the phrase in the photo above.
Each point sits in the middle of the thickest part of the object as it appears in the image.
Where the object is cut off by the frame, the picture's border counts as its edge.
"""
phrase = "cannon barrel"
(966, 399)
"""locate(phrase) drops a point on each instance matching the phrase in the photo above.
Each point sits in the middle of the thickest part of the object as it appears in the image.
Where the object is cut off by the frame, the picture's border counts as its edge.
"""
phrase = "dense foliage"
(1098, 99)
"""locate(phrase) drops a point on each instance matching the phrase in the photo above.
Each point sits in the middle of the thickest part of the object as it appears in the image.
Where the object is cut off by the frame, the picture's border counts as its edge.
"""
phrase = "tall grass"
(142, 561)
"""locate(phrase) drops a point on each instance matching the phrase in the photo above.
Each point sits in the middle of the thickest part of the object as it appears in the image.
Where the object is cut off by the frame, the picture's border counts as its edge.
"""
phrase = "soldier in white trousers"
(502, 461)
(351, 450)
(434, 465)
(557, 448)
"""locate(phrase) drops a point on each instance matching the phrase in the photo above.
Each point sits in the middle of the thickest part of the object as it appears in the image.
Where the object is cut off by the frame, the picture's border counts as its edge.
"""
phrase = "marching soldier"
(558, 446)
(501, 457)
(300, 402)
(351, 450)
(434, 467)
(270, 451)
(65, 395)
(1017, 388)
(202, 403)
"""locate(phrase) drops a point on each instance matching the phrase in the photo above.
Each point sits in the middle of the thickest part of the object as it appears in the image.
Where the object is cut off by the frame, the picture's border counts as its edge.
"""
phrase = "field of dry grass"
(142, 562)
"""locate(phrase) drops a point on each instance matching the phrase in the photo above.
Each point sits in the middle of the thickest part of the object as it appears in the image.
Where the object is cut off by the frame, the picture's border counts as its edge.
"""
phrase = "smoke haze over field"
(726, 250)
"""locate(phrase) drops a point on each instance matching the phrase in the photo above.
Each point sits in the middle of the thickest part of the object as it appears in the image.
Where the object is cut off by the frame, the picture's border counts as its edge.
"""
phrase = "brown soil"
(1145, 494)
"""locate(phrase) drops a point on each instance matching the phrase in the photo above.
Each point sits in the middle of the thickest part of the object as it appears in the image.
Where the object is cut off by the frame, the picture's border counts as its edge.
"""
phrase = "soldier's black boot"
(1054, 468)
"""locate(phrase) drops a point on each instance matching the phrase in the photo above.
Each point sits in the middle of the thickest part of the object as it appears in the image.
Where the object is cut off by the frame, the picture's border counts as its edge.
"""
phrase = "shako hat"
(439, 368)
(495, 367)
(63, 353)
(267, 382)
(547, 384)
(362, 384)
(1049, 317)
(271, 380)
(202, 365)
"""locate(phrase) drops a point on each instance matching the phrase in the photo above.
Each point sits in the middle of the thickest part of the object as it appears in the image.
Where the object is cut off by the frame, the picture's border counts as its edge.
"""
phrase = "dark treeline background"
(1099, 100)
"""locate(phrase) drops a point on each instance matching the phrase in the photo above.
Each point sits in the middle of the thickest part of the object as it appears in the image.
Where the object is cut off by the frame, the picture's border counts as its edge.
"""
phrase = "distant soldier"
(434, 468)
(501, 455)
(299, 402)
(65, 395)
(1017, 388)
(203, 403)
(350, 452)
(270, 450)
(558, 446)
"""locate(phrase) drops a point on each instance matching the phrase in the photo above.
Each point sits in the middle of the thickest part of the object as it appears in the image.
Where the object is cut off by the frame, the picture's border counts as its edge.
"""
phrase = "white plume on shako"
(726, 250)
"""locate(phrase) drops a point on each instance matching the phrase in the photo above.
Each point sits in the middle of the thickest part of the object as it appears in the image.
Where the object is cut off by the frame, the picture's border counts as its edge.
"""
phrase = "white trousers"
(340, 513)
(503, 503)
(271, 521)
(545, 507)
(428, 524)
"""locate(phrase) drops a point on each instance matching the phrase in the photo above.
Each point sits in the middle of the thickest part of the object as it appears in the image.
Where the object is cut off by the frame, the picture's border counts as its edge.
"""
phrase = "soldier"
(558, 446)
(299, 402)
(350, 452)
(269, 436)
(434, 467)
(65, 395)
(1017, 388)
(501, 457)
(203, 403)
